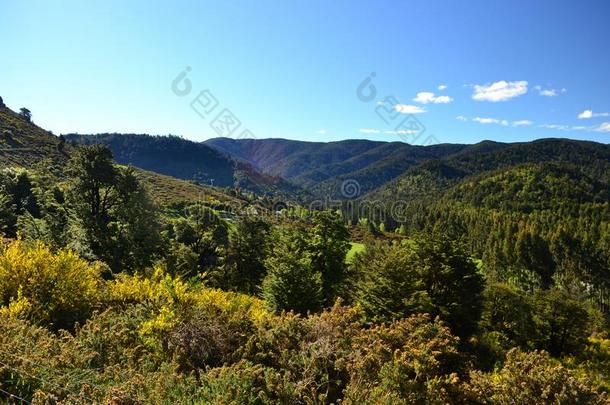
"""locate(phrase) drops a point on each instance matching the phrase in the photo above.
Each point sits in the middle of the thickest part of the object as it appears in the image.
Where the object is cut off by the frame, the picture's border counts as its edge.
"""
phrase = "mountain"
(24, 144)
(323, 167)
(188, 160)
(591, 159)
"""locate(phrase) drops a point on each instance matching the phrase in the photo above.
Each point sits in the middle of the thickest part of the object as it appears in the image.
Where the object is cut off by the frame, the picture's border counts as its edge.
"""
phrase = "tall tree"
(329, 244)
(246, 254)
(429, 274)
(120, 222)
(291, 282)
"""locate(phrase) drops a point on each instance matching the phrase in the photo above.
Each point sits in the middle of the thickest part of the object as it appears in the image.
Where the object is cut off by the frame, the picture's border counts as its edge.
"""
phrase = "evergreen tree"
(291, 282)
(328, 245)
(246, 254)
(429, 274)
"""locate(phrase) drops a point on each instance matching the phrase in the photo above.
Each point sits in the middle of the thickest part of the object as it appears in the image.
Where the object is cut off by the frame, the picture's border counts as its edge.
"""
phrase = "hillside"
(24, 144)
(188, 160)
(589, 158)
(322, 167)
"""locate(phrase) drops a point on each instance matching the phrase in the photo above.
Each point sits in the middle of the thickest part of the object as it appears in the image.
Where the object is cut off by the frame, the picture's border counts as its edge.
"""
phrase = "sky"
(416, 71)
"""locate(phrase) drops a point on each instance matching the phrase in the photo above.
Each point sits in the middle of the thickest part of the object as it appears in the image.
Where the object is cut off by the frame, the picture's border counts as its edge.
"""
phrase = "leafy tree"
(19, 197)
(120, 222)
(562, 323)
(25, 113)
(429, 274)
(507, 320)
(291, 282)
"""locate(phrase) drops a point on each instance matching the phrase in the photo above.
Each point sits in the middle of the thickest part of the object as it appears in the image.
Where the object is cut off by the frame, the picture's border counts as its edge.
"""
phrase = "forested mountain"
(188, 160)
(321, 167)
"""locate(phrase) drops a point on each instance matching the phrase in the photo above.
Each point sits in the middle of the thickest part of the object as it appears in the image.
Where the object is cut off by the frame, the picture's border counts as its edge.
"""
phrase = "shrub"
(246, 383)
(409, 361)
(531, 378)
(54, 289)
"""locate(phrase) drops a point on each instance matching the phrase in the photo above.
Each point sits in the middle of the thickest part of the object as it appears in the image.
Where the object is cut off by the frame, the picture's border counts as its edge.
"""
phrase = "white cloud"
(369, 131)
(490, 121)
(555, 126)
(522, 123)
(442, 100)
(425, 97)
(586, 114)
(461, 118)
(402, 132)
(409, 109)
(442, 87)
(549, 92)
(499, 91)
(603, 127)
(321, 132)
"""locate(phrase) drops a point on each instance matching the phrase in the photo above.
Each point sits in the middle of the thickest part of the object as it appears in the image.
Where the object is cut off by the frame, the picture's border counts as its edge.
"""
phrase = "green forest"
(479, 275)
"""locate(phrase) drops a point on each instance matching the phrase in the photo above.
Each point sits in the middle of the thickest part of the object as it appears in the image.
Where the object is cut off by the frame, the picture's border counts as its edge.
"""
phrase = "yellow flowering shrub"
(171, 300)
(54, 289)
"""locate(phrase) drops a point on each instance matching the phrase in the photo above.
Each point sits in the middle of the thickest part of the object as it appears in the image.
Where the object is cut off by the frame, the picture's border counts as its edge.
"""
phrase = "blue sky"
(513, 70)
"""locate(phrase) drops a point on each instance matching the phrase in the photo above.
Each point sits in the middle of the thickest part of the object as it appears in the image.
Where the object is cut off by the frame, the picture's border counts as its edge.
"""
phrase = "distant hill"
(24, 144)
(322, 167)
(188, 160)
(590, 159)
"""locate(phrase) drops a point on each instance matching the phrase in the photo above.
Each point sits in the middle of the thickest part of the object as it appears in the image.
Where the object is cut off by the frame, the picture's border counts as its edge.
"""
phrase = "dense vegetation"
(188, 160)
(490, 286)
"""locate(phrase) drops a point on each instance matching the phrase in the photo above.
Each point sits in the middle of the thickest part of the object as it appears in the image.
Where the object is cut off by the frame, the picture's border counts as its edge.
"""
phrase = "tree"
(62, 143)
(507, 319)
(429, 274)
(120, 222)
(26, 114)
(246, 254)
(19, 197)
(291, 282)
(562, 323)
(206, 236)
(329, 244)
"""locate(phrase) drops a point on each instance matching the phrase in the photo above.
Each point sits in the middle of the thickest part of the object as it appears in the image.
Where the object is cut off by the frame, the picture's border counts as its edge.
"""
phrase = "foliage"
(531, 378)
(292, 282)
(429, 274)
(120, 222)
(329, 244)
(248, 246)
(408, 361)
(56, 290)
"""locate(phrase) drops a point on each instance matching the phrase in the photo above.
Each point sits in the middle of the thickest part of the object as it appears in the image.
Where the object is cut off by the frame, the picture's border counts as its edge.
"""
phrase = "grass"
(356, 247)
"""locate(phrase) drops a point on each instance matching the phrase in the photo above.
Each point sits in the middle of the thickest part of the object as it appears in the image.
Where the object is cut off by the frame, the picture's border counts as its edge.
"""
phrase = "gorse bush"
(53, 289)
(531, 378)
